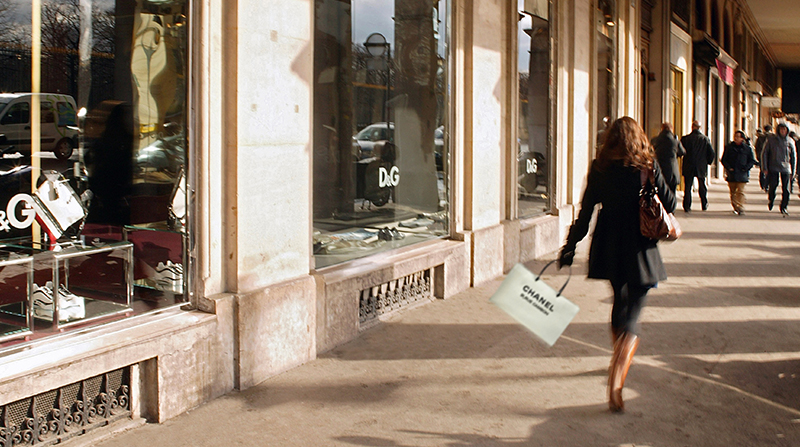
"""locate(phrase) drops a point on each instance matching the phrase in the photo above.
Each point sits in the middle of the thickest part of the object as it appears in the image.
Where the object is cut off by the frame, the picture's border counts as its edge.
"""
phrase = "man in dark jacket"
(699, 154)
(738, 159)
(668, 149)
(778, 162)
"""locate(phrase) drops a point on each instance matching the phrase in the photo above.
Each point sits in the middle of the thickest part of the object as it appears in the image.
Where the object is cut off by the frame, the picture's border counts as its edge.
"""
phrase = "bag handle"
(565, 282)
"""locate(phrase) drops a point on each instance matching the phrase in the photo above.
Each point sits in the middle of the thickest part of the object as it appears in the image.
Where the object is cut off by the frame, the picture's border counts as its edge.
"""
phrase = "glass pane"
(380, 171)
(112, 139)
(606, 32)
(533, 130)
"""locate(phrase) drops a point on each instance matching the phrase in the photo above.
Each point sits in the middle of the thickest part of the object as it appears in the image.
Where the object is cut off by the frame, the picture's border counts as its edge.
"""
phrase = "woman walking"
(619, 252)
(738, 159)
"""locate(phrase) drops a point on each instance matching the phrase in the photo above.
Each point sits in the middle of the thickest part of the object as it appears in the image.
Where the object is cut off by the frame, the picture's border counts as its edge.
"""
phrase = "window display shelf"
(79, 283)
(16, 279)
(159, 257)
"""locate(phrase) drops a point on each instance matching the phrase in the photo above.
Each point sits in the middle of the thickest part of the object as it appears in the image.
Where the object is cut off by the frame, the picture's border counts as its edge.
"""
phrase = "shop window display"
(380, 129)
(92, 175)
(534, 147)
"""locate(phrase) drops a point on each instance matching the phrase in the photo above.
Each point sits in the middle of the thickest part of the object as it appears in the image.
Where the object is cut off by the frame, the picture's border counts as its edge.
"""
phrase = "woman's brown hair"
(625, 140)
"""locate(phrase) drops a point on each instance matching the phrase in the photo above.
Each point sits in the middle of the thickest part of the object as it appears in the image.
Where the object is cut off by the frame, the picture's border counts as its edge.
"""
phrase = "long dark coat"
(699, 154)
(668, 149)
(619, 252)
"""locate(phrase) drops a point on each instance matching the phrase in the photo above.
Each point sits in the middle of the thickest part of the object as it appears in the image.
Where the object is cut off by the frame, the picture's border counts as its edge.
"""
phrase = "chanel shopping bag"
(534, 304)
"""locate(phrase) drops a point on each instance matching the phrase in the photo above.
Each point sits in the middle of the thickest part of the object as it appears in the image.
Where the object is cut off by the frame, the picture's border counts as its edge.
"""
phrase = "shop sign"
(9, 216)
(388, 178)
(531, 166)
(771, 102)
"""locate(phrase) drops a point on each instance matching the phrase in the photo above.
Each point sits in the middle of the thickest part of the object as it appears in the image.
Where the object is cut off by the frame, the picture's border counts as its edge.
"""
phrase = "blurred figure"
(738, 159)
(668, 149)
(109, 161)
(762, 138)
(778, 164)
(601, 134)
(699, 155)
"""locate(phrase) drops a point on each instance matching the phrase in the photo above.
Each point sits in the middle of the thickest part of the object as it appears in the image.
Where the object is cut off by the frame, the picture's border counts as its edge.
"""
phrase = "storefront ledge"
(383, 267)
(339, 287)
(175, 341)
(510, 244)
(540, 235)
(101, 434)
(487, 254)
(275, 330)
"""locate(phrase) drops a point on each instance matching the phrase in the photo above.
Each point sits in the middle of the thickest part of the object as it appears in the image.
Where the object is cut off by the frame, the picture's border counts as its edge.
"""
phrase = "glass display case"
(78, 282)
(159, 258)
(16, 281)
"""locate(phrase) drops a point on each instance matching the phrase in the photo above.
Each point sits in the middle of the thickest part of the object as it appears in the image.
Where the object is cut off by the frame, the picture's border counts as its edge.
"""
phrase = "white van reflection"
(59, 131)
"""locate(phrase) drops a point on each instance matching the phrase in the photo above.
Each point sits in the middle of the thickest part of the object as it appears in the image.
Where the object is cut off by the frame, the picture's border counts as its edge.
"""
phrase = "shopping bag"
(534, 304)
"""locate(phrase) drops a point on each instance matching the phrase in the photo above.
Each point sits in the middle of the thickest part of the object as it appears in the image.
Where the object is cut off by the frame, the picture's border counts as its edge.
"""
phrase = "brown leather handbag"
(654, 221)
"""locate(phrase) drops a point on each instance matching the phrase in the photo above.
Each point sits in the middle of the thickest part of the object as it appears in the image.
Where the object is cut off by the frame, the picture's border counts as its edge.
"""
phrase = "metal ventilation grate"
(57, 415)
(395, 294)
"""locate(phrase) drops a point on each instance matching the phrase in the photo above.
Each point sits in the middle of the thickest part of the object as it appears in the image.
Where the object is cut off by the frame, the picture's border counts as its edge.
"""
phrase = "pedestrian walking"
(699, 155)
(668, 149)
(778, 163)
(619, 253)
(762, 138)
(738, 159)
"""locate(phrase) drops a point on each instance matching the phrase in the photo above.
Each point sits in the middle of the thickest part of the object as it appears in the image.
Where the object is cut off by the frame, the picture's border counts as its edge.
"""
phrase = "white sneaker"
(169, 277)
(70, 306)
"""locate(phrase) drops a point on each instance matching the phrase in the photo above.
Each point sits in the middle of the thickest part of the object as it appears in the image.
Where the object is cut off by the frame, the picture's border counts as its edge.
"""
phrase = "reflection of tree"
(61, 30)
(60, 38)
(7, 26)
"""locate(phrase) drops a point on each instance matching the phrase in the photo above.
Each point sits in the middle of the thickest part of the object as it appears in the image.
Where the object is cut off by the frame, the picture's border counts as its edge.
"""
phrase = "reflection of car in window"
(364, 141)
(368, 142)
(438, 147)
(58, 133)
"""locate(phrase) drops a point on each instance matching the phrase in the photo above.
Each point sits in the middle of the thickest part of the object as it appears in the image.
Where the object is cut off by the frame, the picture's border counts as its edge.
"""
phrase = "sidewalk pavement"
(718, 365)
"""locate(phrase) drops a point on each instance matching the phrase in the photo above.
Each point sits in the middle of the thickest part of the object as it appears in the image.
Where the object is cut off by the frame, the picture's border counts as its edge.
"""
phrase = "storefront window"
(533, 130)
(92, 174)
(380, 128)
(606, 41)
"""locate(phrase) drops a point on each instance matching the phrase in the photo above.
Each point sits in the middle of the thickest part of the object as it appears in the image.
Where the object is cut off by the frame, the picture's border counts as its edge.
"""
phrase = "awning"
(725, 72)
(708, 53)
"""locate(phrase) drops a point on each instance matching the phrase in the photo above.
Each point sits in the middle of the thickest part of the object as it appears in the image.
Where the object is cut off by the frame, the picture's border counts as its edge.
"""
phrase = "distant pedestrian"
(738, 159)
(762, 138)
(699, 155)
(778, 161)
(668, 149)
(619, 252)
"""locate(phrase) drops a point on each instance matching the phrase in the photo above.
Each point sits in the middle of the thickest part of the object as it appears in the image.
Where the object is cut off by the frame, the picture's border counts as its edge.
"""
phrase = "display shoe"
(390, 234)
(70, 306)
(42, 302)
(624, 349)
(169, 276)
